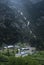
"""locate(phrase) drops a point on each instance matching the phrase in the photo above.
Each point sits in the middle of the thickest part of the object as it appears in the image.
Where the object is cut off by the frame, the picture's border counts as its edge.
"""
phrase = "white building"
(26, 51)
(23, 51)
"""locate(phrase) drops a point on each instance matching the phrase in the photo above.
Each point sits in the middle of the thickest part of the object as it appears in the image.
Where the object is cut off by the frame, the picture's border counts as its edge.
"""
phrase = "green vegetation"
(35, 59)
(14, 29)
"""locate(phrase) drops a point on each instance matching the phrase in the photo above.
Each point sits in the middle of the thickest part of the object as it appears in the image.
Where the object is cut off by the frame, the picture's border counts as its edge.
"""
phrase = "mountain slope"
(25, 25)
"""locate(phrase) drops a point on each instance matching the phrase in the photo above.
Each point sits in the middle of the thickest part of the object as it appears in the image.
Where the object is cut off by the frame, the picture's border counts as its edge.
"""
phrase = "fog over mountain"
(22, 21)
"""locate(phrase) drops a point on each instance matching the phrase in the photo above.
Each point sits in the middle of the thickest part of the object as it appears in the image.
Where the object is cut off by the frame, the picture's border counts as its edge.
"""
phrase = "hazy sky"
(35, 1)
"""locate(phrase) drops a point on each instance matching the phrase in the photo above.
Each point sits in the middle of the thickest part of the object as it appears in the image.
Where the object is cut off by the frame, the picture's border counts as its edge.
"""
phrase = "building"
(26, 51)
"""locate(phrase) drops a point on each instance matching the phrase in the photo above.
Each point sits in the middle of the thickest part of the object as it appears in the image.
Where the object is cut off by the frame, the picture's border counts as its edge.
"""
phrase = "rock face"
(12, 24)
(22, 22)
